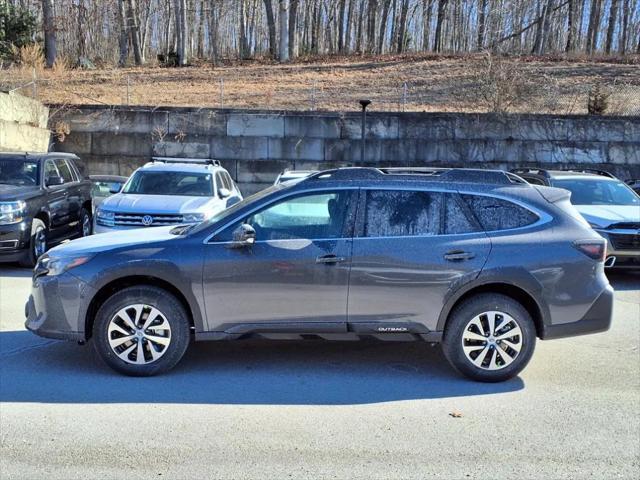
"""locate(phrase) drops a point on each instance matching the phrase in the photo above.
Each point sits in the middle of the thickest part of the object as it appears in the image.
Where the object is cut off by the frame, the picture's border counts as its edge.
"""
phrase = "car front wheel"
(489, 338)
(141, 331)
(37, 243)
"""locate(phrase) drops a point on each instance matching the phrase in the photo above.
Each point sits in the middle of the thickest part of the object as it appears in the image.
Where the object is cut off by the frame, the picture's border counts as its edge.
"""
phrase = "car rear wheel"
(37, 243)
(141, 331)
(489, 338)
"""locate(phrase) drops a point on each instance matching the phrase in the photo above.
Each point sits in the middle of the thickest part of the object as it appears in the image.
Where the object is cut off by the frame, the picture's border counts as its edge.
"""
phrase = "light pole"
(364, 104)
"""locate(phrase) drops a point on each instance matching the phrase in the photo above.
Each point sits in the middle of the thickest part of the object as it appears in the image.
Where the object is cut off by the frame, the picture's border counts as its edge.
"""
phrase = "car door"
(72, 190)
(294, 278)
(56, 199)
(412, 248)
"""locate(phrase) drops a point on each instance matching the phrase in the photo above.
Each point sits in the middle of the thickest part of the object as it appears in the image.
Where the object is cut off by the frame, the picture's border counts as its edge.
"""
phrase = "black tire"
(171, 309)
(38, 230)
(84, 216)
(458, 322)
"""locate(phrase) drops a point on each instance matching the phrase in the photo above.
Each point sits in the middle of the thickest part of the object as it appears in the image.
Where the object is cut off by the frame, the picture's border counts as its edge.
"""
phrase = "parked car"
(478, 260)
(289, 175)
(634, 184)
(44, 199)
(103, 186)
(610, 206)
(168, 191)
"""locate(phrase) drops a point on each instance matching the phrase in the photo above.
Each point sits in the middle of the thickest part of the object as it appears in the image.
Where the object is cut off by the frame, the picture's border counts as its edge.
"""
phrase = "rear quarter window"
(498, 214)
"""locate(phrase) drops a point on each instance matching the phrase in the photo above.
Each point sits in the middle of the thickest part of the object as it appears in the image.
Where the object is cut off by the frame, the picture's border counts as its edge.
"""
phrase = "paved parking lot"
(258, 409)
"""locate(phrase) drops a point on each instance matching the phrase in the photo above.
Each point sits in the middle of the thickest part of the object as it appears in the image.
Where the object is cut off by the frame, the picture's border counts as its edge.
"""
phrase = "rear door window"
(456, 219)
(402, 213)
(498, 214)
(65, 171)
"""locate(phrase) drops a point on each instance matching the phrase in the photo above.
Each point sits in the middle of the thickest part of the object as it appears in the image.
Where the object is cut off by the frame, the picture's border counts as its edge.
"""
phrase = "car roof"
(37, 156)
(560, 174)
(181, 167)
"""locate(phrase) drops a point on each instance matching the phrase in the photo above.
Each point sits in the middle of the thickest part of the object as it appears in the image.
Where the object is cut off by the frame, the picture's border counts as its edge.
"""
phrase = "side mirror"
(54, 180)
(115, 187)
(224, 192)
(244, 236)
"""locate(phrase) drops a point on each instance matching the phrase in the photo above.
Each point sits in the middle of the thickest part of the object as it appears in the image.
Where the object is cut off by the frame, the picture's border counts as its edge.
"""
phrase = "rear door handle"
(458, 255)
(329, 259)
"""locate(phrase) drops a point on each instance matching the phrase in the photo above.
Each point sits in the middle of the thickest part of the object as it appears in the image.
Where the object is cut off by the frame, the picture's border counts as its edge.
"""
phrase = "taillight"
(596, 249)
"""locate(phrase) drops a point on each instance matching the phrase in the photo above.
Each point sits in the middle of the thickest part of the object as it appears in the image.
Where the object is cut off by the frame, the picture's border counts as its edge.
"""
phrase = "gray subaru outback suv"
(480, 261)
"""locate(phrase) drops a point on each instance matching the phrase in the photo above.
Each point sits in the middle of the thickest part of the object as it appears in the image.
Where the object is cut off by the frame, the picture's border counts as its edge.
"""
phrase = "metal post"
(34, 79)
(128, 95)
(313, 96)
(364, 104)
(404, 96)
(222, 93)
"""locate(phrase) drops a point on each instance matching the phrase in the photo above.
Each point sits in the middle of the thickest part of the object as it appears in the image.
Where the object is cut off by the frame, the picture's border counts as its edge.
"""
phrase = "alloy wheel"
(139, 334)
(86, 226)
(39, 243)
(492, 340)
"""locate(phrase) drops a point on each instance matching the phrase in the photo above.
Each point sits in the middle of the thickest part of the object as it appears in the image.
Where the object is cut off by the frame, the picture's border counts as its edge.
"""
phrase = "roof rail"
(193, 161)
(595, 171)
(465, 175)
(535, 171)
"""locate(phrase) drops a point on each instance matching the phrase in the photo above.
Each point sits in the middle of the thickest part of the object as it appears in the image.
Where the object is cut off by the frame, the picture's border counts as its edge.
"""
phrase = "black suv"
(478, 260)
(43, 200)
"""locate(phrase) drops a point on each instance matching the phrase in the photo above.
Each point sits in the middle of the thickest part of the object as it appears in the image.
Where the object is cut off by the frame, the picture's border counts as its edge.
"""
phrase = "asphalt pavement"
(318, 409)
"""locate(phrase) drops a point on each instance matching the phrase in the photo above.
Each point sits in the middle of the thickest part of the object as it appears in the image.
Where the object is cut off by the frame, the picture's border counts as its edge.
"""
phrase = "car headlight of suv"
(53, 266)
(105, 217)
(194, 217)
(12, 212)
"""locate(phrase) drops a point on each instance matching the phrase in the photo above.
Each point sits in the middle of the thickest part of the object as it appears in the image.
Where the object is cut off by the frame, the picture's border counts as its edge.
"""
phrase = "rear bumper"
(597, 319)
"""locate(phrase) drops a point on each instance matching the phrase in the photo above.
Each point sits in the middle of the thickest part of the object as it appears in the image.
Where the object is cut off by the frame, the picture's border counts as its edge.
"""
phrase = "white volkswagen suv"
(168, 191)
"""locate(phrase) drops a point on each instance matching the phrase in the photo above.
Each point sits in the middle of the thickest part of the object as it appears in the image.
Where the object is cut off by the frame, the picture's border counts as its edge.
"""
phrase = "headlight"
(194, 217)
(52, 266)
(12, 212)
(105, 217)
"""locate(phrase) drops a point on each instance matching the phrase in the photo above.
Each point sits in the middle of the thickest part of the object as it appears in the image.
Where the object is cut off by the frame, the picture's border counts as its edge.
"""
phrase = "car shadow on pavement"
(243, 372)
(14, 271)
(624, 280)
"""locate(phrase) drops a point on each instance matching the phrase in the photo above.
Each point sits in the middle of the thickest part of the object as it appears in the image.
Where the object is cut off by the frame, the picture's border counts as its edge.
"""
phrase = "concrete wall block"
(265, 171)
(182, 149)
(16, 108)
(426, 128)
(133, 144)
(540, 129)
(461, 153)
(377, 127)
(563, 153)
(472, 127)
(296, 149)
(632, 131)
(625, 153)
(237, 148)
(249, 125)
(304, 126)
(99, 165)
(76, 142)
(116, 120)
(251, 188)
(598, 130)
(203, 122)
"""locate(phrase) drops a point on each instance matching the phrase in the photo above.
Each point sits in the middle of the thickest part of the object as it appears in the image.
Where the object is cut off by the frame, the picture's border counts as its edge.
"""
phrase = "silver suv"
(168, 191)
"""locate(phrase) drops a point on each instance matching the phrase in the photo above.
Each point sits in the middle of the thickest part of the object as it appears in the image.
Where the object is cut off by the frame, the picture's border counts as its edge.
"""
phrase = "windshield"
(598, 192)
(19, 172)
(192, 184)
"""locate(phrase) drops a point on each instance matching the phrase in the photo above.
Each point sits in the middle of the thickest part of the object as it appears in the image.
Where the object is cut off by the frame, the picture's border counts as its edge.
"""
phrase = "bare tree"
(613, 18)
(442, 10)
(49, 27)
(284, 30)
(271, 25)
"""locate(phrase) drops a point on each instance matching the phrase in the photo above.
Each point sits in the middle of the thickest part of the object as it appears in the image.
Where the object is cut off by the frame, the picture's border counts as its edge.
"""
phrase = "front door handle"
(329, 259)
(458, 255)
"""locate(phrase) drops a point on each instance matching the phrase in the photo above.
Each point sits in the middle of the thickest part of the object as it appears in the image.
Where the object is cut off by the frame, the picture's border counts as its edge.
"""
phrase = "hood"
(605, 215)
(134, 203)
(113, 240)
(10, 193)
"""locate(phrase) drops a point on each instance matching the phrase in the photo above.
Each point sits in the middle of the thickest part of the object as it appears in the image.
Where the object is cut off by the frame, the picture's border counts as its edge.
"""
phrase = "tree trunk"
(341, 12)
(482, 5)
(427, 7)
(134, 31)
(613, 18)
(271, 24)
(49, 28)
(402, 26)
(372, 10)
(124, 35)
(293, 25)
(543, 29)
(284, 30)
(594, 26)
(571, 27)
(383, 25)
(181, 31)
(442, 10)
(624, 35)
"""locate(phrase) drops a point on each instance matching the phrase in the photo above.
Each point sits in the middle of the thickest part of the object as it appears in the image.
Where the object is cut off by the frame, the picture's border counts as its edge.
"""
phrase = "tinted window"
(393, 213)
(50, 169)
(313, 216)
(170, 183)
(228, 181)
(497, 214)
(65, 171)
(455, 219)
(534, 181)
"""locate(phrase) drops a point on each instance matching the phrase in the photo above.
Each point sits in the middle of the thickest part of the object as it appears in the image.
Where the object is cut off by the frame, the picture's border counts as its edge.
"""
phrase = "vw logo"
(147, 220)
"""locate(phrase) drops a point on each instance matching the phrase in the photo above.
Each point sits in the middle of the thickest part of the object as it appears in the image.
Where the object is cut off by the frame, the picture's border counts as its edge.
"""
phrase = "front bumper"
(14, 241)
(102, 229)
(597, 319)
(624, 245)
(57, 307)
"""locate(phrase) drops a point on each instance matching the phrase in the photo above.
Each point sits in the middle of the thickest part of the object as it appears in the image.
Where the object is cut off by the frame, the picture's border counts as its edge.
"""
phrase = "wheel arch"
(44, 216)
(121, 283)
(518, 293)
